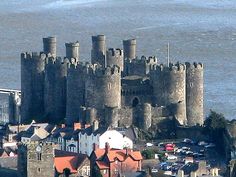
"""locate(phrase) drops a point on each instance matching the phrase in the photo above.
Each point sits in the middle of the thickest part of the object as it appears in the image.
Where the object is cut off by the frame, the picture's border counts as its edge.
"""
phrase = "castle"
(116, 87)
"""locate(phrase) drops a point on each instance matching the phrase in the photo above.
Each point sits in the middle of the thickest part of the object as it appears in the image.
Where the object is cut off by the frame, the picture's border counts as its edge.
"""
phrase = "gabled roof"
(68, 160)
(102, 165)
(117, 154)
(89, 131)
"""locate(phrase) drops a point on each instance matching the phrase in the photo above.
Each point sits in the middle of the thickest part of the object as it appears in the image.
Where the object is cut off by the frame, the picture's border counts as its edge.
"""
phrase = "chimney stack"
(107, 147)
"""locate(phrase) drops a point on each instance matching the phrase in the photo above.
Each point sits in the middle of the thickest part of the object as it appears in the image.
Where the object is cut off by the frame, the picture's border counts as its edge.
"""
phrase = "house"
(197, 170)
(28, 132)
(113, 162)
(100, 136)
(73, 164)
(67, 137)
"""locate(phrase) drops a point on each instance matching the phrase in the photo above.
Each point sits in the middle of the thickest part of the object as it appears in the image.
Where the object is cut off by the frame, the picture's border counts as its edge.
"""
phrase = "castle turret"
(32, 85)
(129, 47)
(60, 88)
(194, 93)
(72, 51)
(50, 46)
(103, 88)
(146, 121)
(98, 50)
(115, 57)
(169, 86)
(91, 115)
(111, 116)
(76, 77)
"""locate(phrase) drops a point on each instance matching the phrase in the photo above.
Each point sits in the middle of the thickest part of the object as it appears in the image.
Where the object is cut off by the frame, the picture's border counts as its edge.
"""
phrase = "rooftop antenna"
(168, 54)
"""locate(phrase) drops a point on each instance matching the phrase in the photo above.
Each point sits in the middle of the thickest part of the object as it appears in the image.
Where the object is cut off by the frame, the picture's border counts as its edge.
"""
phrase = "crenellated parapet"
(29, 56)
(140, 66)
(115, 57)
(194, 65)
(98, 72)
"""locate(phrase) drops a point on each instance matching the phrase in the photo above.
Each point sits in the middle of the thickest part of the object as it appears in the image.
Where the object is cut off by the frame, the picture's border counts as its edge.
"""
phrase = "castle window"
(39, 170)
(109, 86)
(39, 156)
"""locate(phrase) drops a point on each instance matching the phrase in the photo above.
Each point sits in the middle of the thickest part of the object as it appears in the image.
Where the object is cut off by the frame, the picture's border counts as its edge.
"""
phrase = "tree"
(215, 126)
(148, 154)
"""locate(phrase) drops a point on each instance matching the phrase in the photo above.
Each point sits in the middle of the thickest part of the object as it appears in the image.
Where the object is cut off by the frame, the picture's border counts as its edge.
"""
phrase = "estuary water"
(197, 30)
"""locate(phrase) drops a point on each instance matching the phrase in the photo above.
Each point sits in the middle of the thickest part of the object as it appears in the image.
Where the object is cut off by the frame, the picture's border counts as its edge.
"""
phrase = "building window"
(104, 172)
(39, 170)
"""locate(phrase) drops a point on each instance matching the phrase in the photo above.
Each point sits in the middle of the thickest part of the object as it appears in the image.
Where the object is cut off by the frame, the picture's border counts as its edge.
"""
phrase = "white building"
(100, 136)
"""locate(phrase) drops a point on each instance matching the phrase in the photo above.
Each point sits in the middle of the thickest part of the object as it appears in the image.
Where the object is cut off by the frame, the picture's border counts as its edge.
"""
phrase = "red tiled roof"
(121, 155)
(99, 152)
(102, 165)
(69, 162)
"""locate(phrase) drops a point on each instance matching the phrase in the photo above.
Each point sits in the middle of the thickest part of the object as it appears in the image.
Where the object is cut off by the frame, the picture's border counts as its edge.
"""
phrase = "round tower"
(146, 121)
(32, 85)
(169, 86)
(98, 49)
(55, 88)
(61, 66)
(72, 51)
(111, 116)
(115, 57)
(103, 88)
(50, 46)
(129, 47)
(49, 87)
(75, 91)
(194, 93)
(91, 115)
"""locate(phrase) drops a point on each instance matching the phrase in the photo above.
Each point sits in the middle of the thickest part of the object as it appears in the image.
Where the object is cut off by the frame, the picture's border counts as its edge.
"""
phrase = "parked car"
(202, 143)
(172, 157)
(211, 145)
(188, 141)
(149, 144)
(154, 170)
(185, 148)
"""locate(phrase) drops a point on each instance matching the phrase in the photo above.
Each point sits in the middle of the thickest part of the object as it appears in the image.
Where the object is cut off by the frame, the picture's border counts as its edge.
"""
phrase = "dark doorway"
(135, 102)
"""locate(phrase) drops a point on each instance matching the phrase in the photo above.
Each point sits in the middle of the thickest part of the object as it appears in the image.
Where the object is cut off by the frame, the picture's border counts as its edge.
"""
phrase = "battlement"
(114, 52)
(50, 39)
(33, 55)
(100, 37)
(108, 71)
(130, 42)
(178, 67)
(82, 67)
(194, 65)
(72, 44)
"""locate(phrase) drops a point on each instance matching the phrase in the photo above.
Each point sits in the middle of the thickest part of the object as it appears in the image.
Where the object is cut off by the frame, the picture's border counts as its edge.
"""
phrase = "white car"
(154, 170)
(202, 143)
(185, 148)
(149, 144)
(172, 157)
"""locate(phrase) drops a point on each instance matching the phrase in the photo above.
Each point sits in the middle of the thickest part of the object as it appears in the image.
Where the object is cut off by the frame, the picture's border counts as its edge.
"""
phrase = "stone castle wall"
(121, 89)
